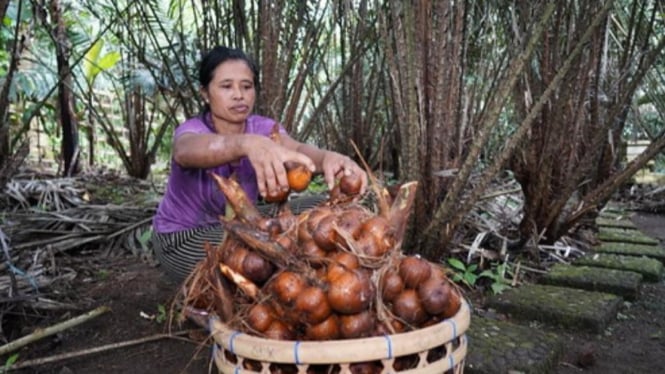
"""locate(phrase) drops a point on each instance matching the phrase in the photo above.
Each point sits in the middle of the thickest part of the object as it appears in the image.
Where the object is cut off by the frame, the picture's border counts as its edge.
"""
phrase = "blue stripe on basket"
(231, 339)
(452, 361)
(295, 352)
(389, 344)
(452, 322)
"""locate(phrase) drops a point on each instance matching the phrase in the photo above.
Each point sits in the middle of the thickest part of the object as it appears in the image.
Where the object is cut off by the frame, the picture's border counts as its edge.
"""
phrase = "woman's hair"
(219, 55)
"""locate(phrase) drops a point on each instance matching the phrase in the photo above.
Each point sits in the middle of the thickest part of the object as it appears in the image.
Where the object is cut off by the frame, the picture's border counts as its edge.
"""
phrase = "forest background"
(453, 94)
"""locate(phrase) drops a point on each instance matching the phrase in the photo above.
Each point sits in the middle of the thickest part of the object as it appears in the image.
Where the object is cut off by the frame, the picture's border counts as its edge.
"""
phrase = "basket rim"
(341, 350)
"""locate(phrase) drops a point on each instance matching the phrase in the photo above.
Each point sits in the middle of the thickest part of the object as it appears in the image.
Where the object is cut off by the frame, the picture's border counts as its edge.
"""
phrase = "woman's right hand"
(268, 159)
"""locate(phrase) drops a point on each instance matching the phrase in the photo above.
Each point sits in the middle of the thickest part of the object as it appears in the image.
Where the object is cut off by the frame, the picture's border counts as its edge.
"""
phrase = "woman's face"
(231, 92)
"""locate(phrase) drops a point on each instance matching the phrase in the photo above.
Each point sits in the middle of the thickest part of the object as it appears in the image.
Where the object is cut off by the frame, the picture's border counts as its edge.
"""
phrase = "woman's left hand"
(335, 165)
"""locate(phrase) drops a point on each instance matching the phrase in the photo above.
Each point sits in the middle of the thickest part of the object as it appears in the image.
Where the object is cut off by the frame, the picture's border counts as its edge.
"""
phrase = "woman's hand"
(267, 159)
(335, 165)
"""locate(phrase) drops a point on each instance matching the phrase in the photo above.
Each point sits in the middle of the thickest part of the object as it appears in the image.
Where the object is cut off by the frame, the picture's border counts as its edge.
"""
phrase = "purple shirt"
(192, 198)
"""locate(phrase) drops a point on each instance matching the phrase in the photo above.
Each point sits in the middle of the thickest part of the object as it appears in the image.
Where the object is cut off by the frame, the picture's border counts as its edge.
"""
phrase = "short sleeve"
(193, 125)
(263, 125)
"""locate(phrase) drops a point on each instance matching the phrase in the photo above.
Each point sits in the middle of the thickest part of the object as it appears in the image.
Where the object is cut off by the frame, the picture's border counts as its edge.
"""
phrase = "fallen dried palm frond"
(46, 217)
(490, 232)
(110, 226)
(49, 194)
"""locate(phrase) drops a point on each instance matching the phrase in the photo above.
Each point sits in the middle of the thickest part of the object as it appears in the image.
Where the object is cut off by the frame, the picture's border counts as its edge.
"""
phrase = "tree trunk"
(92, 139)
(561, 136)
(65, 107)
(15, 46)
(571, 149)
(139, 166)
(448, 215)
(424, 43)
(89, 128)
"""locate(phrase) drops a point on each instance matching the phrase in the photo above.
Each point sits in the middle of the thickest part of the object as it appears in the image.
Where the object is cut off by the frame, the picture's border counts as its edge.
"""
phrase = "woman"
(226, 139)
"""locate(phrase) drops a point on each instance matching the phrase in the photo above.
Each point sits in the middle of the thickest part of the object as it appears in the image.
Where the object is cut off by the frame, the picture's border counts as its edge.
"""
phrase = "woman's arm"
(267, 157)
(191, 150)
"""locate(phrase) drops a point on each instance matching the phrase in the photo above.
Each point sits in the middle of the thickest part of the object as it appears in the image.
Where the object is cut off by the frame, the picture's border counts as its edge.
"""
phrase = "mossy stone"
(631, 249)
(622, 223)
(607, 234)
(650, 268)
(619, 282)
(503, 347)
(565, 307)
(614, 213)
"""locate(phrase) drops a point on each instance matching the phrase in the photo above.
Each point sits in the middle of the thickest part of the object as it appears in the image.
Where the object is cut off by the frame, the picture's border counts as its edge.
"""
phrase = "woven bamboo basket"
(436, 349)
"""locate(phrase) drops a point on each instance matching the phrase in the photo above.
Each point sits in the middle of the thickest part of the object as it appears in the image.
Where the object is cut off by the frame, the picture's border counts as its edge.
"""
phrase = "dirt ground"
(135, 291)
(635, 343)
